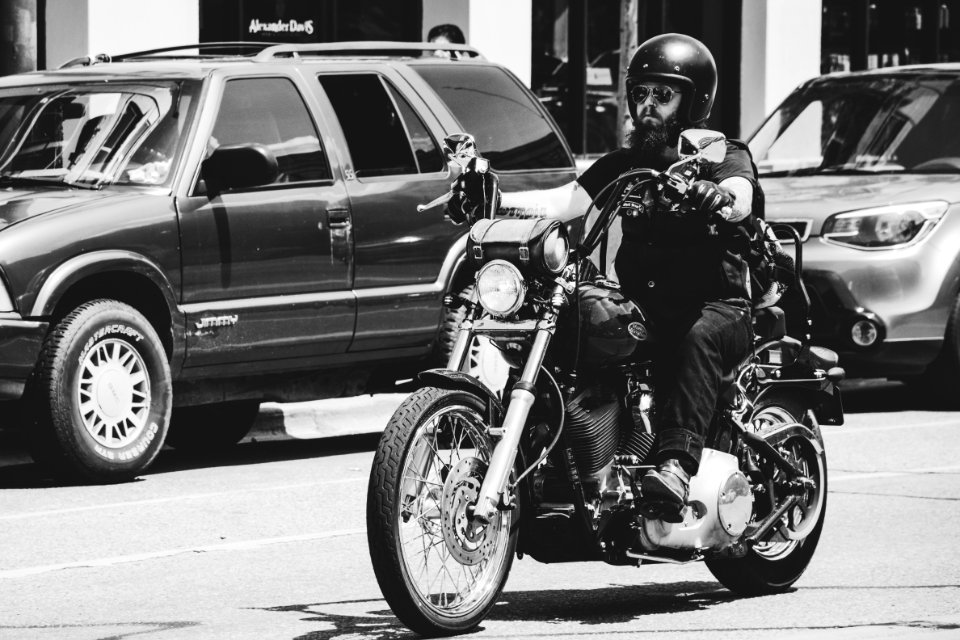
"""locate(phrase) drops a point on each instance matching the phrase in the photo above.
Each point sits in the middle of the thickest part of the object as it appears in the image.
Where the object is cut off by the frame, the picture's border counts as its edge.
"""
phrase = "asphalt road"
(268, 541)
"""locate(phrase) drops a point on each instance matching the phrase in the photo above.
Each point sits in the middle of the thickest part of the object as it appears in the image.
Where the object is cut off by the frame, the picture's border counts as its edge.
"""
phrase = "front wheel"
(99, 399)
(439, 572)
(774, 564)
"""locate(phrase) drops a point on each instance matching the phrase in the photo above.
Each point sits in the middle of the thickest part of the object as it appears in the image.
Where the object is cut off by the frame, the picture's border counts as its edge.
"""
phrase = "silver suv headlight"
(889, 227)
(500, 288)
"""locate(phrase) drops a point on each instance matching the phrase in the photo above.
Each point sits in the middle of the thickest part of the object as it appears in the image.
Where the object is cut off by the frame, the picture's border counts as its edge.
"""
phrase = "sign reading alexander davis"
(280, 26)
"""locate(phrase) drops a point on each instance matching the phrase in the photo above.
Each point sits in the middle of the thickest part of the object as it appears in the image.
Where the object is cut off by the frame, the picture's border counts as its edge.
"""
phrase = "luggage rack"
(266, 51)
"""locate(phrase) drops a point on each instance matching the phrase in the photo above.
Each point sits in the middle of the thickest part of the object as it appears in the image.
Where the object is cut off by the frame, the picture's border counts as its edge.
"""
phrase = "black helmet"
(612, 327)
(674, 57)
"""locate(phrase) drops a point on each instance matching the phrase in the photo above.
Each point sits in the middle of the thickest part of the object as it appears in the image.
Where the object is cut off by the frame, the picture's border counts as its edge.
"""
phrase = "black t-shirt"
(670, 261)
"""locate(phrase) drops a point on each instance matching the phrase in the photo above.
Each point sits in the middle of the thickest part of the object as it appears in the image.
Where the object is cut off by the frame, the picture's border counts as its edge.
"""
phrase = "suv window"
(271, 112)
(508, 124)
(384, 134)
(94, 134)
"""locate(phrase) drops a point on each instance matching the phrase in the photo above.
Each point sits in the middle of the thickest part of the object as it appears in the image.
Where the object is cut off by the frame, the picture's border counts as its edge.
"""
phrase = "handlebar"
(436, 202)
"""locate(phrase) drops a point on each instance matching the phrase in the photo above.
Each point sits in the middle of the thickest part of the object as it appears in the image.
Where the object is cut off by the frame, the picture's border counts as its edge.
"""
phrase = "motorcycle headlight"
(888, 227)
(556, 250)
(500, 288)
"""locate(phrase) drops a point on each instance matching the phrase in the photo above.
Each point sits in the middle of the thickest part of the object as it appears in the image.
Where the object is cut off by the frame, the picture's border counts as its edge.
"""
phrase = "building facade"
(566, 50)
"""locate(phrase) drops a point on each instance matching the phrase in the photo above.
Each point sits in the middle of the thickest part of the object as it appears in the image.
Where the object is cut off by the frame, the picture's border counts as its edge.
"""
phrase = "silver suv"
(867, 167)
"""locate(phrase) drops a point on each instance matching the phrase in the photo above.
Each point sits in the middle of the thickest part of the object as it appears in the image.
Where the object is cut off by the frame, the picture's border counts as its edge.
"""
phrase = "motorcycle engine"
(600, 432)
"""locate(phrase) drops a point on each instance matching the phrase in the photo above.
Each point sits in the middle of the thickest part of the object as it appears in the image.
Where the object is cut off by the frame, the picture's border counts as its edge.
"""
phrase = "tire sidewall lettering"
(148, 439)
(109, 330)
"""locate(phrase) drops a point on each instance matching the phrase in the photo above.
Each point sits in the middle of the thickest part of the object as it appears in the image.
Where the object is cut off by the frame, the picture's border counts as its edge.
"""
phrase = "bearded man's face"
(652, 137)
(656, 126)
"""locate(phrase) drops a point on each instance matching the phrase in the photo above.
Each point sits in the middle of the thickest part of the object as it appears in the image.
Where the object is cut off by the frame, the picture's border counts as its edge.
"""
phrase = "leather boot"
(664, 491)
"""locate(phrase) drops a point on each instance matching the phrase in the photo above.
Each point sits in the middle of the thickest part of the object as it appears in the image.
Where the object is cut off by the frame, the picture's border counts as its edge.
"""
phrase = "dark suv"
(192, 231)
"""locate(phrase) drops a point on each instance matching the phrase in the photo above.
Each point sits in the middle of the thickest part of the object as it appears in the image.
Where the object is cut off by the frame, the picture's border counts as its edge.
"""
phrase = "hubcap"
(114, 393)
(466, 541)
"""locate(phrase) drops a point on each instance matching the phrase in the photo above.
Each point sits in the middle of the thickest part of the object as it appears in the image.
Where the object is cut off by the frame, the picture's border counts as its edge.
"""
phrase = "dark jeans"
(695, 349)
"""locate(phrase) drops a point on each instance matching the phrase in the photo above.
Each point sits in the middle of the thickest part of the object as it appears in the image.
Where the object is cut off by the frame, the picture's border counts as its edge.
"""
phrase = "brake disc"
(468, 542)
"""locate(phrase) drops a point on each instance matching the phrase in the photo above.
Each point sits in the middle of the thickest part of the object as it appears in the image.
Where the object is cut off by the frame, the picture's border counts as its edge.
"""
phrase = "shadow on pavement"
(21, 473)
(371, 620)
(880, 396)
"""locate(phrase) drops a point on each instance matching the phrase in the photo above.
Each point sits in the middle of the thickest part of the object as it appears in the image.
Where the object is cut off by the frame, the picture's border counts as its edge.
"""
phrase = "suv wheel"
(99, 399)
(211, 427)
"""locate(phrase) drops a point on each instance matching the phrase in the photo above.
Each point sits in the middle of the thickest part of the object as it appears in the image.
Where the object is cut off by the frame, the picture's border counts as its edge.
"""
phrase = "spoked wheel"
(439, 571)
(773, 565)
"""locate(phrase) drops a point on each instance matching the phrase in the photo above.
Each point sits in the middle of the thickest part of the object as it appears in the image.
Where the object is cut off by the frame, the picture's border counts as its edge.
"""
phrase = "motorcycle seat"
(769, 323)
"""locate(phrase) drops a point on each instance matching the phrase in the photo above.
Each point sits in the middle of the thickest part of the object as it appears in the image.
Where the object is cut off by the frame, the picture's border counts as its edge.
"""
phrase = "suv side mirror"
(239, 166)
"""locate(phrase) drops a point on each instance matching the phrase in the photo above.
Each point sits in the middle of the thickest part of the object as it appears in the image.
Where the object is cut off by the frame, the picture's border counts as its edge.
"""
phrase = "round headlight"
(500, 288)
(556, 250)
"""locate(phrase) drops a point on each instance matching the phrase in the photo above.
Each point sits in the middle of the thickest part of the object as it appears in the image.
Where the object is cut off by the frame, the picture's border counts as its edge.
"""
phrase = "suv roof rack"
(264, 51)
(201, 50)
(365, 48)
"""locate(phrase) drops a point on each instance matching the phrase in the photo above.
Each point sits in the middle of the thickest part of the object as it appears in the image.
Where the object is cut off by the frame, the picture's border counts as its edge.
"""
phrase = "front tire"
(775, 564)
(98, 402)
(438, 572)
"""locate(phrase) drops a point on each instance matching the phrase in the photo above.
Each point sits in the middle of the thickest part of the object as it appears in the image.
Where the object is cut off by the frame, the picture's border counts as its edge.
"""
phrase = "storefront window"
(860, 34)
(306, 21)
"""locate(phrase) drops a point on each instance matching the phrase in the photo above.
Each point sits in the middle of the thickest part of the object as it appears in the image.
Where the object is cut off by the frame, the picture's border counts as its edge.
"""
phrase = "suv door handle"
(339, 218)
(341, 235)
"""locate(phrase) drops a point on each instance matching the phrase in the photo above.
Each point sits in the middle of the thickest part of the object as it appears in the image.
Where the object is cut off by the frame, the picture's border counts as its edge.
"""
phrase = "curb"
(323, 418)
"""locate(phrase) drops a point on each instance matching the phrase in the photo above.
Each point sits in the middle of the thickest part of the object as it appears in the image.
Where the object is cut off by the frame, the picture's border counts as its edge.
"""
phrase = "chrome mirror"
(460, 149)
(710, 145)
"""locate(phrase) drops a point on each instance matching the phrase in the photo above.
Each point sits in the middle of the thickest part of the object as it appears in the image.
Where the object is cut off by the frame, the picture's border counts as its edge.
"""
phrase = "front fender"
(79, 267)
(459, 381)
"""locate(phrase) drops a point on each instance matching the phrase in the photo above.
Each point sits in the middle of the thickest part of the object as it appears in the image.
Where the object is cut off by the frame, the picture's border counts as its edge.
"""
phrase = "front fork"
(493, 492)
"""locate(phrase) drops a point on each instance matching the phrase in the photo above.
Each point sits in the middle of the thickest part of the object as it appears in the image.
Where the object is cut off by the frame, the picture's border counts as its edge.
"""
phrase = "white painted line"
(140, 557)
(892, 474)
(191, 496)
(841, 430)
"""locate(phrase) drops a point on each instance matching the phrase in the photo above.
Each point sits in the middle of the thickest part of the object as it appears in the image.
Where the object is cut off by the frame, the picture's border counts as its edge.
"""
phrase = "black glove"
(708, 197)
(471, 190)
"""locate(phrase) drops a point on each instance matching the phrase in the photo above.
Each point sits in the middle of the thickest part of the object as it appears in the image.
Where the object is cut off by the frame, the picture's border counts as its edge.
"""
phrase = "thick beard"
(652, 141)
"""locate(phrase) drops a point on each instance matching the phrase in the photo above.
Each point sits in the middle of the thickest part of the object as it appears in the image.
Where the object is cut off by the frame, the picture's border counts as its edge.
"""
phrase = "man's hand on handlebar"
(471, 192)
(709, 198)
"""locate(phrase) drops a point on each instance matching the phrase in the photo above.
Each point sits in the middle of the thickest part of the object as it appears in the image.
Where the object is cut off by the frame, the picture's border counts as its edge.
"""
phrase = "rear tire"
(211, 427)
(98, 402)
(438, 573)
(774, 566)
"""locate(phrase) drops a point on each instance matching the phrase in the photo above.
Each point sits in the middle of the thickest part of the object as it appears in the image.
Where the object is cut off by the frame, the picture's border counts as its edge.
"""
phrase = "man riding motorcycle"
(682, 265)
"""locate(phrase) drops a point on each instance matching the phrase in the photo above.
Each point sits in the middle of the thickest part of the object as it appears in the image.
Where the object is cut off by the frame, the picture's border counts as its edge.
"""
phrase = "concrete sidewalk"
(281, 421)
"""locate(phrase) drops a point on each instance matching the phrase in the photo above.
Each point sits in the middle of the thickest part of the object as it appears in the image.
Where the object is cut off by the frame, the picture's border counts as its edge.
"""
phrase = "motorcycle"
(465, 478)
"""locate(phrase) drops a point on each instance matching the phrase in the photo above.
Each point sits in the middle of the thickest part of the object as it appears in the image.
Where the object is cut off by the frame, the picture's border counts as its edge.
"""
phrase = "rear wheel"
(773, 565)
(439, 571)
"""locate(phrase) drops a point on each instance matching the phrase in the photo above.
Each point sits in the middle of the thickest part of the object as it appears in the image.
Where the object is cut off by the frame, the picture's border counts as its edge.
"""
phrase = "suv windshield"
(92, 135)
(867, 124)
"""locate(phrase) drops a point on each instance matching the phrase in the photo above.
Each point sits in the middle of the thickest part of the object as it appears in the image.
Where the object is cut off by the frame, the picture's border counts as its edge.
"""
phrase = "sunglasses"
(662, 95)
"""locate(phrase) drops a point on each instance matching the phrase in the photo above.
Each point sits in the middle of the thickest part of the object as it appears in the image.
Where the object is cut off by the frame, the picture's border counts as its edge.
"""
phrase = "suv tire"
(99, 399)
(211, 427)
